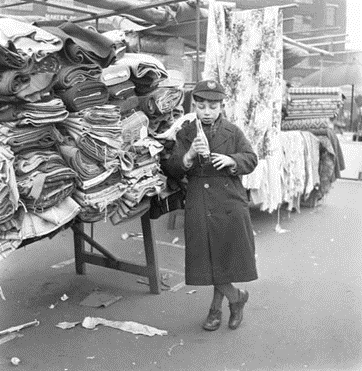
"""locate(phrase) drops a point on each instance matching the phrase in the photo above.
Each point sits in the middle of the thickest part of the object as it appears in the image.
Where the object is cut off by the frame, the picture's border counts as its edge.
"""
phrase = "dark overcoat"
(219, 236)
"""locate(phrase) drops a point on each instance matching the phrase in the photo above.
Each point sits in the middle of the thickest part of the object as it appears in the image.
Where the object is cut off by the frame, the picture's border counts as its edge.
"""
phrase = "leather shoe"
(236, 310)
(213, 320)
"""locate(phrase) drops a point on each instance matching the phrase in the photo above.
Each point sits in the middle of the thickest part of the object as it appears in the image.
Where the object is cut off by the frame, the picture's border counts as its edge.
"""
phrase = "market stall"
(78, 128)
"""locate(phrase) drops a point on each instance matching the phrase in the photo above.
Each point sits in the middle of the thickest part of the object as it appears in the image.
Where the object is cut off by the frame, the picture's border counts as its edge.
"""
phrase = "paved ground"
(304, 313)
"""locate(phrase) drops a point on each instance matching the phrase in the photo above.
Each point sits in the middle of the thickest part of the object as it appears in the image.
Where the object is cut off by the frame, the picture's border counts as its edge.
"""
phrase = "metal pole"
(197, 39)
(352, 99)
(321, 73)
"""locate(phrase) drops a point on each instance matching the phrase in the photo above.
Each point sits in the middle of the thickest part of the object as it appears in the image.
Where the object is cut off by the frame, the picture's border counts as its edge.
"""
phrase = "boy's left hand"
(219, 161)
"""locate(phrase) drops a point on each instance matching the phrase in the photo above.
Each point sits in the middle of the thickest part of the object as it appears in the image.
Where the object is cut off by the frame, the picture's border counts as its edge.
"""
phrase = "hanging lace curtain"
(244, 51)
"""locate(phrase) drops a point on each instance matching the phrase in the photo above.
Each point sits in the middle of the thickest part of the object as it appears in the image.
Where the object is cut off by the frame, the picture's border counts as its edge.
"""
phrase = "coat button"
(206, 185)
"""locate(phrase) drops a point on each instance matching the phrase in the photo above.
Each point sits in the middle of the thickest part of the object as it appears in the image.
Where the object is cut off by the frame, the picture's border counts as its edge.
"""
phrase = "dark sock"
(230, 291)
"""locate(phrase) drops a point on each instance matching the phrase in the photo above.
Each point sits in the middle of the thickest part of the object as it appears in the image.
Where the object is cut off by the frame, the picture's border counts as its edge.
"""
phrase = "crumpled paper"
(128, 326)
(67, 325)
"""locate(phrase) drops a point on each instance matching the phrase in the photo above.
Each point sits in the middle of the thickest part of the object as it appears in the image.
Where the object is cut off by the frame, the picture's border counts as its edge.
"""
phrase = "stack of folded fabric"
(161, 106)
(9, 195)
(311, 108)
(120, 88)
(28, 61)
(30, 126)
(29, 64)
(146, 71)
(143, 181)
(80, 86)
(43, 178)
(83, 45)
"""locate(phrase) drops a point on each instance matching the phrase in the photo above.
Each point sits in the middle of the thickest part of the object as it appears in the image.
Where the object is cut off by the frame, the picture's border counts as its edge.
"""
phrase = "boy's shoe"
(213, 320)
(236, 310)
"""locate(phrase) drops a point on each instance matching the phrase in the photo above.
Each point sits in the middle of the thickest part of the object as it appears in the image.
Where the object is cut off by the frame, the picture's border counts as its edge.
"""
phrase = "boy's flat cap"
(209, 90)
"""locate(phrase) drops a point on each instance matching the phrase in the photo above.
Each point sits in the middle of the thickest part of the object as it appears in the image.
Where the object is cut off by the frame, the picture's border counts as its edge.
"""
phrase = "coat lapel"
(222, 135)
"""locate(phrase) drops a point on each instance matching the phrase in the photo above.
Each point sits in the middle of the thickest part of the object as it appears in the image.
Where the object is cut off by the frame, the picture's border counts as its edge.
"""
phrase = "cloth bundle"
(36, 224)
(26, 138)
(17, 85)
(124, 96)
(98, 201)
(36, 114)
(84, 46)
(115, 74)
(126, 211)
(9, 195)
(27, 39)
(75, 74)
(146, 71)
(134, 127)
(10, 58)
(122, 90)
(83, 95)
(315, 125)
(43, 178)
(313, 102)
(161, 101)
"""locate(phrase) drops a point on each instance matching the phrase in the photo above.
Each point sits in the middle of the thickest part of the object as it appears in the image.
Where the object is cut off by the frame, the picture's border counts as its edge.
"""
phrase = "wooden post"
(151, 254)
(79, 248)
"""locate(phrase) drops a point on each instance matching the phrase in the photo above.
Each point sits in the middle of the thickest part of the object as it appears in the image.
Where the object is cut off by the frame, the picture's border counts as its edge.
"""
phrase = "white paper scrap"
(67, 325)
(279, 229)
(2, 294)
(128, 326)
(20, 327)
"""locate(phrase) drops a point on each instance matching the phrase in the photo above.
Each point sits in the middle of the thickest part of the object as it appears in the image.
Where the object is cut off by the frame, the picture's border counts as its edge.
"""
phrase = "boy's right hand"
(197, 146)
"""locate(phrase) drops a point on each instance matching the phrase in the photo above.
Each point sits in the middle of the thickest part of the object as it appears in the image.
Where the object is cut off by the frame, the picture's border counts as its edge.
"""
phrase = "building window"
(302, 23)
(331, 15)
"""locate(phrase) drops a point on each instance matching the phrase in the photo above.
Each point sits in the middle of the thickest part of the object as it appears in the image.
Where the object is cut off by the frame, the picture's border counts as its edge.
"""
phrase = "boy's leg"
(213, 320)
(237, 300)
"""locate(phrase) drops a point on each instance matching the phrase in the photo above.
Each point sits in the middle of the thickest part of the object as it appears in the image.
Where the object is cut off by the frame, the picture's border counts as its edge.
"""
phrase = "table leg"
(79, 248)
(151, 254)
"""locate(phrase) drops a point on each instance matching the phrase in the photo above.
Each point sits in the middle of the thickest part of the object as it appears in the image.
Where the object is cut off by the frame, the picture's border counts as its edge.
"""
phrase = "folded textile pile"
(9, 195)
(25, 85)
(26, 138)
(70, 75)
(146, 71)
(27, 40)
(144, 180)
(37, 114)
(313, 102)
(43, 179)
(317, 126)
(161, 101)
(83, 46)
(83, 95)
(122, 91)
(36, 224)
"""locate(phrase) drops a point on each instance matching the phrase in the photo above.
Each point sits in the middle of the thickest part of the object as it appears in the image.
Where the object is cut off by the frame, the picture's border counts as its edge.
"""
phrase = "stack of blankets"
(79, 128)
(311, 109)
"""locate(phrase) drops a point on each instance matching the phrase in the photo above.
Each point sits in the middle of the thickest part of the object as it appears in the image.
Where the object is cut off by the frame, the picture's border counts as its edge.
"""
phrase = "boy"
(218, 232)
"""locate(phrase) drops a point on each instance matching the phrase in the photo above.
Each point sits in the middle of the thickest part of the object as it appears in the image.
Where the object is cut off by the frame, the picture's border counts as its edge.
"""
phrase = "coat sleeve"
(174, 166)
(244, 156)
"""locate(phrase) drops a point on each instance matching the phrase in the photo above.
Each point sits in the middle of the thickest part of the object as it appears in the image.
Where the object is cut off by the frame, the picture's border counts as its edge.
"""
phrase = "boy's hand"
(220, 161)
(197, 146)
